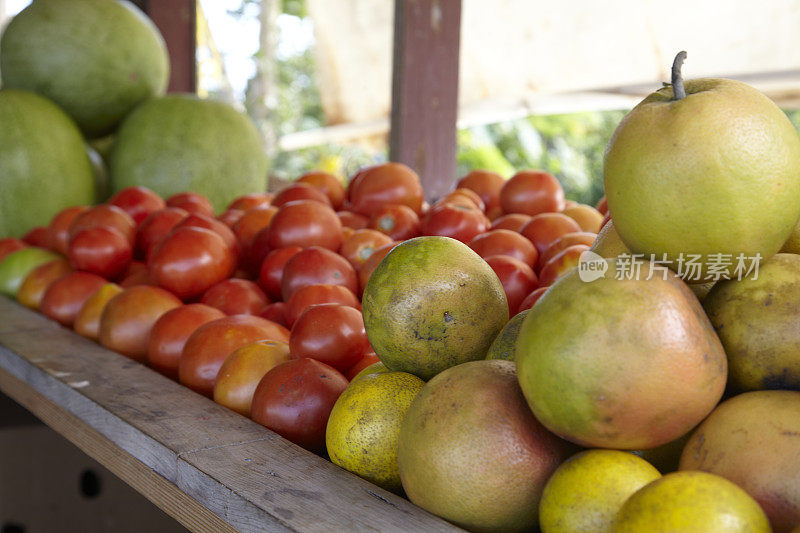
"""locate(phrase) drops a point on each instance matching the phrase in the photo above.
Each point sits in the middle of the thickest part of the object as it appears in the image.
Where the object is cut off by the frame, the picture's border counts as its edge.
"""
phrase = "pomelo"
(97, 59)
(432, 303)
(180, 143)
(44, 165)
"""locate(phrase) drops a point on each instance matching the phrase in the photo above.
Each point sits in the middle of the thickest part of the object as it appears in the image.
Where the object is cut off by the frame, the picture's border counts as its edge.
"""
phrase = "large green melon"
(44, 165)
(181, 143)
(97, 59)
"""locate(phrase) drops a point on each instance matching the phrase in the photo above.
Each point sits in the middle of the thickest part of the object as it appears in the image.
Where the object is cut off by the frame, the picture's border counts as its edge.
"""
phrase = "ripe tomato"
(129, 316)
(241, 372)
(236, 297)
(87, 321)
(136, 274)
(371, 264)
(170, 333)
(532, 192)
(386, 184)
(58, 230)
(191, 202)
(352, 220)
(602, 206)
(318, 294)
(249, 225)
(101, 250)
(34, 285)
(10, 244)
(487, 184)
(295, 399)
(327, 183)
(212, 343)
(561, 263)
(399, 222)
(361, 244)
(367, 360)
(517, 278)
(271, 274)
(155, 227)
(465, 197)
(531, 299)
(305, 223)
(300, 191)
(546, 228)
(251, 200)
(190, 261)
(230, 216)
(276, 312)
(565, 241)
(104, 215)
(200, 221)
(455, 221)
(38, 236)
(505, 242)
(331, 333)
(65, 297)
(315, 266)
(138, 202)
(511, 221)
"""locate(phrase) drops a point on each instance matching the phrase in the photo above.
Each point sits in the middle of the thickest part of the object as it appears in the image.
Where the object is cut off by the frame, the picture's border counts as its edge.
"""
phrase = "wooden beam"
(425, 90)
(177, 22)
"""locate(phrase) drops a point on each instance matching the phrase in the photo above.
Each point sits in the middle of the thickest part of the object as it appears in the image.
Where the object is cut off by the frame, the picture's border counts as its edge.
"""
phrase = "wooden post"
(177, 22)
(425, 90)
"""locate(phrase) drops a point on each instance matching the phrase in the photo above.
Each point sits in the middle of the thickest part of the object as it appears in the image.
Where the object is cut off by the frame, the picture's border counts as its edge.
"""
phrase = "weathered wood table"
(209, 468)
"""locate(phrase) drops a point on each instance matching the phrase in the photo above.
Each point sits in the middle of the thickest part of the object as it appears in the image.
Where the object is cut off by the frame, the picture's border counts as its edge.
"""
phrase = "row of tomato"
(220, 303)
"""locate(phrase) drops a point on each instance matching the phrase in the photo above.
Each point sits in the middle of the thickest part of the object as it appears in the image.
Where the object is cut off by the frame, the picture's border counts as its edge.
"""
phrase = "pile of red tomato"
(259, 307)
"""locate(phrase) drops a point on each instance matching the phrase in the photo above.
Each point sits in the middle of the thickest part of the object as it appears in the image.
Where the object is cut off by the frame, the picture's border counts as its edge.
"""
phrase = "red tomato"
(200, 221)
(512, 221)
(10, 244)
(276, 312)
(561, 263)
(505, 242)
(58, 230)
(190, 261)
(318, 294)
(170, 333)
(129, 316)
(564, 242)
(327, 183)
(546, 228)
(352, 220)
(230, 216)
(532, 192)
(271, 274)
(138, 202)
(305, 223)
(248, 201)
(531, 299)
(135, 274)
(155, 227)
(35, 284)
(104, 215)
(361, 244)
(101, 250)
(602, 206)
(486, 184)
(458, 222)
(331, 333)
(459, 196)
(517, 278)
(249, 225)
(191, 202)
(236, 297)
(387, 184)
(65, 297)
(295, 399)
(371, 264)
(399, 222)
(209, 346)
(300, 191)
(315, 266)
(367, 360)
(38, 236)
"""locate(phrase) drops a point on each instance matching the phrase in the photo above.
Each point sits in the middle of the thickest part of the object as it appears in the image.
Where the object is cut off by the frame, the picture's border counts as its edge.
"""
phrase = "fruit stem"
(678, 91)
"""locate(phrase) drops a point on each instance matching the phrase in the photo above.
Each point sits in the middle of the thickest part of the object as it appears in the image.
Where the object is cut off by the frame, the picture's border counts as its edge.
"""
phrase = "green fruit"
(505, 344)
(715, 172)
(44, 166)
(97, 59)
(180, 143)
(17, 265)
(432, 303)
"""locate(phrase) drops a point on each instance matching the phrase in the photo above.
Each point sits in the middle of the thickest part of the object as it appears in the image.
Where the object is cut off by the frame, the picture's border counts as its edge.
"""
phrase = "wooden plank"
(177, 22)
(172, 444)
(425, 90)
